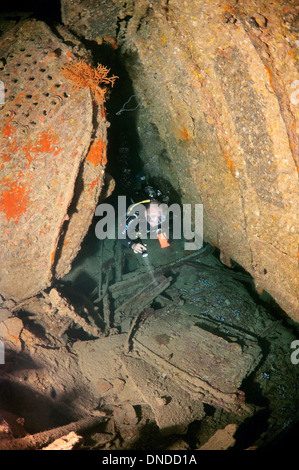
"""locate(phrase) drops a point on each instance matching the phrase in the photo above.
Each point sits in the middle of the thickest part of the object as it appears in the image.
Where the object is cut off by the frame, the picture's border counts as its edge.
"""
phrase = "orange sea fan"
(83, 75)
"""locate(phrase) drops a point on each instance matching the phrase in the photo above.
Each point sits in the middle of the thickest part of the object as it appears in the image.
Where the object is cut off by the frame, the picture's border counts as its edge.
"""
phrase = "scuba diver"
(154, 215)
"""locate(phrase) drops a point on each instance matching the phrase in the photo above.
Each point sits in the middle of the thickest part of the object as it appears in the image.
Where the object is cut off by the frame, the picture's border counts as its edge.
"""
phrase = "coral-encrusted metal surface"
(50, 180)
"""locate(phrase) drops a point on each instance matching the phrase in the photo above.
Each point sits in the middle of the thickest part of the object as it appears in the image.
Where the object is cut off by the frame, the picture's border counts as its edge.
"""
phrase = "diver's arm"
(136, 244)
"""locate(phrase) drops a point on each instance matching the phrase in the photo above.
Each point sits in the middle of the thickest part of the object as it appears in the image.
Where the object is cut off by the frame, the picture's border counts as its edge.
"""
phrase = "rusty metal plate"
(48, 171)
(205, 357)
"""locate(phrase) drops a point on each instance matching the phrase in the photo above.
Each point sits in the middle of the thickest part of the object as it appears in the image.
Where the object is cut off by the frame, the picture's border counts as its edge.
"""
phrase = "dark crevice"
(123, 148)
(78, 189)
(46, 10)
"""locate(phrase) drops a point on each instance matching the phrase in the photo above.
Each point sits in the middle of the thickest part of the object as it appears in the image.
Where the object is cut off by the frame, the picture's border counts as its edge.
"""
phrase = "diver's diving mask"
(156, 219)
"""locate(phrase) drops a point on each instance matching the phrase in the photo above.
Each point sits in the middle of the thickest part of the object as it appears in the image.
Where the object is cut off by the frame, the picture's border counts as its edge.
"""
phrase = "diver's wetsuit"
(127, 242)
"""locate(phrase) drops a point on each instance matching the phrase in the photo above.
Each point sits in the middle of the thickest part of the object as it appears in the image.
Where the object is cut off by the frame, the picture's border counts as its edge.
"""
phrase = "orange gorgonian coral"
(83, 75)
